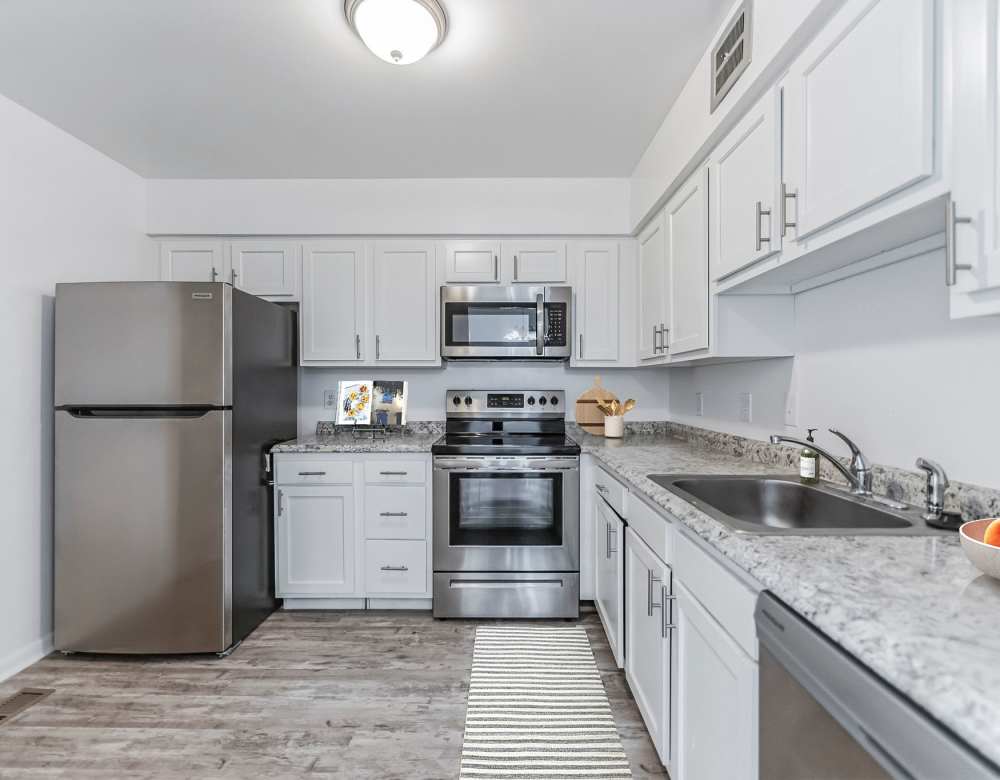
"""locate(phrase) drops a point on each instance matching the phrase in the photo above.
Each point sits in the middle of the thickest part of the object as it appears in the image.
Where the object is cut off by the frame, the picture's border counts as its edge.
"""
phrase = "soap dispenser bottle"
(809, 462)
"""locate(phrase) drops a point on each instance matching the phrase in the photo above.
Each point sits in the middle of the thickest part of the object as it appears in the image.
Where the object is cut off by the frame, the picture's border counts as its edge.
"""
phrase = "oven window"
(489, 325)
(506, 510)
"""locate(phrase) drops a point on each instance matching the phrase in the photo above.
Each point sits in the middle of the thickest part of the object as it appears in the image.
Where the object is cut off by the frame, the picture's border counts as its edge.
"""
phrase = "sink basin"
(783, 505)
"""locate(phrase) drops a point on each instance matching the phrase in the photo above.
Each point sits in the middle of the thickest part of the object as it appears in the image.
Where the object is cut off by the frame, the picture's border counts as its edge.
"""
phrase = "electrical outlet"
(746, 407)
(329, 399)
(699, 404)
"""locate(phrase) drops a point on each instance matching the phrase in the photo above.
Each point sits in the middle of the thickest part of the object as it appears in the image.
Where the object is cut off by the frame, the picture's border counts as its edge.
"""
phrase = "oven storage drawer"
(393, 566)
(506, 595)
(396, 512)
(395, 471)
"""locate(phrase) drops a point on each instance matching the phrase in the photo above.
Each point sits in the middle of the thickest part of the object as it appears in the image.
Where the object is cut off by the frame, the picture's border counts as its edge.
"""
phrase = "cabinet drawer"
(313, 472)
(652, 528)
(610, 489)
(395, 567)
(395, 512)
(412, 471)
(718, 590)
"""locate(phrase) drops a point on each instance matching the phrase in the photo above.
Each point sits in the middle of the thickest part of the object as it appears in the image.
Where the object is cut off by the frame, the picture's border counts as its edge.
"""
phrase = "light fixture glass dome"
(398, 31)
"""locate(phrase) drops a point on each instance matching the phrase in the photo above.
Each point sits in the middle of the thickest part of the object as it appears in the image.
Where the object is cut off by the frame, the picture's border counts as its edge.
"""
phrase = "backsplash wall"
(427, 386)
(877, 357)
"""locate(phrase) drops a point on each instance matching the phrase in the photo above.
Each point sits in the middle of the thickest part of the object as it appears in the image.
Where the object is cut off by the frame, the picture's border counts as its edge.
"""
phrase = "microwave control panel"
(555, 333)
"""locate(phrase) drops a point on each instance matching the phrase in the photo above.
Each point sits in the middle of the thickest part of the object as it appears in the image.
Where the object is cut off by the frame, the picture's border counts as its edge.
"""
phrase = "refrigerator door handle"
(136, 413)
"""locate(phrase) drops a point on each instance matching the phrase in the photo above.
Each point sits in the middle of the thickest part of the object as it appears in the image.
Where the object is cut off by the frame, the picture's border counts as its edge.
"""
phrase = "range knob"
(531, 400)
(554, 401)
(543, 400)
(468, 400)
(456, 400)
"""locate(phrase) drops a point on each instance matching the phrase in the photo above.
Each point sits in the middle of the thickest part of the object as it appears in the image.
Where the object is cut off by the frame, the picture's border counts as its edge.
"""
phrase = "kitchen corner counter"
(912, 609)
(418, 440)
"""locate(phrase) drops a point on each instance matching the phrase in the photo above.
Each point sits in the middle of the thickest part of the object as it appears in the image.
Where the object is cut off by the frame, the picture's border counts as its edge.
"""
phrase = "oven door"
(505, 322)
(507, 514)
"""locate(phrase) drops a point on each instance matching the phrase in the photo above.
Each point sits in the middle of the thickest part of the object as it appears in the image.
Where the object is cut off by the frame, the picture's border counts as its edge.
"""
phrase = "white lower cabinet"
(315, 541)
(364, 541)
(649, 639)
(716, 699)
(608, 573)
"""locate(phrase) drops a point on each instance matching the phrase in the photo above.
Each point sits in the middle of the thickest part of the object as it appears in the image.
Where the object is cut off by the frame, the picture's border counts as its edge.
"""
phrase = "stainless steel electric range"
(506, 507)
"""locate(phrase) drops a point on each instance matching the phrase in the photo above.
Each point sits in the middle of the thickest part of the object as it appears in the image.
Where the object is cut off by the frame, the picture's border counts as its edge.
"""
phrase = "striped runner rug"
(537, 708)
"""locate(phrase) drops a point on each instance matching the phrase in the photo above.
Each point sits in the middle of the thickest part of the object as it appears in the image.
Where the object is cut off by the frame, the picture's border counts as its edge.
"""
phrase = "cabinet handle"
(395, 568)
(378, 346)
(581, 345)
(312, 473)
(951, 222)
(650, 606)
(496, 268)
(515, 268)
(611, 530)
(393, 514)
(394, 473)
(762, 212)
(664, 330)
(215, 274)
(357, 345)
(600, 488)
(785, 195)
(665, 624)
(656, 345)
(232, 276)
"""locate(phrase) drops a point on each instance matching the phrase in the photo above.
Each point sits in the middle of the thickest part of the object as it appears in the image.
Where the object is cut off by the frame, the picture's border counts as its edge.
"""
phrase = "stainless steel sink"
(783, 505)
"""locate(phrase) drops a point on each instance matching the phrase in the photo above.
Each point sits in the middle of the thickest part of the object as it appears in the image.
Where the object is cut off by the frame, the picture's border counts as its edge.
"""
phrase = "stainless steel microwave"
(496, 322)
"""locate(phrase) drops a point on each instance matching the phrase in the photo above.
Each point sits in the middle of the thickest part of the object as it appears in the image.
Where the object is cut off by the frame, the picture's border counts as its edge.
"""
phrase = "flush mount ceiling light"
(398, 31)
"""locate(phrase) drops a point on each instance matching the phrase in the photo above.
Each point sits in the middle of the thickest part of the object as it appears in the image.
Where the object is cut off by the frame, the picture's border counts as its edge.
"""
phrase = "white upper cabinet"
(333, 296)
(860, 103)
(686, 249)
(404, 301)
(744, 180)
(471, 262)
(598, 314)
(265, 268)
(536, 261)
(192, 261)
(653, 313)
(973, 221)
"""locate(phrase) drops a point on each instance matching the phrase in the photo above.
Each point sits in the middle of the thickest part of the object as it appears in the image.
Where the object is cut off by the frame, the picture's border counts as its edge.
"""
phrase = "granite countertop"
(413, 438)
(912, 609)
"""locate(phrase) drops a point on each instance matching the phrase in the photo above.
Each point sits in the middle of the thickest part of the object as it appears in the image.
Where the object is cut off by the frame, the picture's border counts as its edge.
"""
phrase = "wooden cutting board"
(588, 416)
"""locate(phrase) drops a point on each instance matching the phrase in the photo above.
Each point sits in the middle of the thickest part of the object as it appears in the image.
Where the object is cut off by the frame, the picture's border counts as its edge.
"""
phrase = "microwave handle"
(539, 324)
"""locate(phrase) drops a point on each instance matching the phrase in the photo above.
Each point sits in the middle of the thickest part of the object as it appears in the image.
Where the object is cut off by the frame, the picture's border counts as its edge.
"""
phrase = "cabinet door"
(608, 578)
(652, 285)
(468, 262)
(716, 699)
(744, 179)
(860, 99)
(333, 294)
(315, 544)
(191, 261)
(537, 261)
(686, 242)
(265, 268)
(648, 610)
(404, 302)
(597, 311)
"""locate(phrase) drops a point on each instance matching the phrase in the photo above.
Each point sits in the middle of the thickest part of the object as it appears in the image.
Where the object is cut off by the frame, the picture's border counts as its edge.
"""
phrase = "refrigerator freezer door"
(143, 344)
(142, 533)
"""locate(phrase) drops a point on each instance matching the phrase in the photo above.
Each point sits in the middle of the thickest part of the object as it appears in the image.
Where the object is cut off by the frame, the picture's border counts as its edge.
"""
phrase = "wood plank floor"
(309, 694)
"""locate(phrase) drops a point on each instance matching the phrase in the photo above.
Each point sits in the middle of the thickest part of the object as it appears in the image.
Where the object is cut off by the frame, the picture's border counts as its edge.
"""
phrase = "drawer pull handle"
(395, 568)
(393, 514)
(394, 473)
(312, 473)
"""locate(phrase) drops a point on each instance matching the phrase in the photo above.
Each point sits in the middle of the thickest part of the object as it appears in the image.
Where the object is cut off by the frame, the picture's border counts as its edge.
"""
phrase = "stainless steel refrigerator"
(168, 396)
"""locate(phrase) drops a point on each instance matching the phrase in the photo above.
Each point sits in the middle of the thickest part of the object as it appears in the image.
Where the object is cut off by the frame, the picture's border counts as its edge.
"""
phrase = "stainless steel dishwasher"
(824, 716)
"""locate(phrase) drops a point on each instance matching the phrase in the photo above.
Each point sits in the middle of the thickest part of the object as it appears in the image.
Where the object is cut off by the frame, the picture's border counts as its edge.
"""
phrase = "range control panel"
(527, 403)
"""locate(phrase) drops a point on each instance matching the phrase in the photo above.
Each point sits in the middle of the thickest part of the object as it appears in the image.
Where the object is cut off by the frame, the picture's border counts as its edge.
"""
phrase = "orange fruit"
(992, 534)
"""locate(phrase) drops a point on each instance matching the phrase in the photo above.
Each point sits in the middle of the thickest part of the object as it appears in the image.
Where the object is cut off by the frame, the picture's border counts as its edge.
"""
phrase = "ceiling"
(284, 89)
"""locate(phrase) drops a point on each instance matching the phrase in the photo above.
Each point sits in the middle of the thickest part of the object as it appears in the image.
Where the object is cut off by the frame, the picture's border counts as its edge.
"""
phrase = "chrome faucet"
(858, 475)
(937, 483)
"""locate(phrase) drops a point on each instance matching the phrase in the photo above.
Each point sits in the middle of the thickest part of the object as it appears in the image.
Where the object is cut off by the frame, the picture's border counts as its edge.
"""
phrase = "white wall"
(67, 213)
(877, 357)
(427, 386)
(388, 206)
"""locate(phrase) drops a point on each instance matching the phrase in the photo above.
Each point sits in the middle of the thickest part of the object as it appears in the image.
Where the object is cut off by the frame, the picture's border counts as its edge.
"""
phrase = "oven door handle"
(539, 324)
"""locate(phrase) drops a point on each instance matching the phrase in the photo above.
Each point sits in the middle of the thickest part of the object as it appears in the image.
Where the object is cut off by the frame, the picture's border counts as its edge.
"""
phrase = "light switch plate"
(746, 407)
(329, 399)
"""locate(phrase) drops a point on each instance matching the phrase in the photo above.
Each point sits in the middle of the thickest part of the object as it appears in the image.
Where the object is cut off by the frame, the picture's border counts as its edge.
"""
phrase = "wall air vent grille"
(731, 55)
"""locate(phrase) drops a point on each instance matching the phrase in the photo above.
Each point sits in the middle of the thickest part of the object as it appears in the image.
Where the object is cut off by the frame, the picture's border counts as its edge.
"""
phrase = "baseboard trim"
(25, 656)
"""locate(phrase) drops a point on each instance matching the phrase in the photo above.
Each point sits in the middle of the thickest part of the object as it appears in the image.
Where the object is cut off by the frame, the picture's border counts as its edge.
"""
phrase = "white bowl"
(984, 557)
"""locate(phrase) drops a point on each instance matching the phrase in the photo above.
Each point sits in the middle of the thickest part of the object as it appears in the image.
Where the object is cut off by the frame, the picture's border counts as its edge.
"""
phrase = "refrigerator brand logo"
(202, 296)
